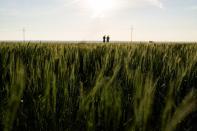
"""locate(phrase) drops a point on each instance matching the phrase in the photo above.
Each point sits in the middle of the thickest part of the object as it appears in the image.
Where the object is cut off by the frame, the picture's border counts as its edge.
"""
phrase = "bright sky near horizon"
(157, 20)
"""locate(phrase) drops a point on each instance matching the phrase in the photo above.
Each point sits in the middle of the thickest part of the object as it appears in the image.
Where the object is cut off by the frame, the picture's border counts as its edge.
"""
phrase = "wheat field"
(98, 87)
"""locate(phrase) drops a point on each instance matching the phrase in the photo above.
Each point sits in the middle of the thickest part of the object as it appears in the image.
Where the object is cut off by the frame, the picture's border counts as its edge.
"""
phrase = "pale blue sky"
(161, 20)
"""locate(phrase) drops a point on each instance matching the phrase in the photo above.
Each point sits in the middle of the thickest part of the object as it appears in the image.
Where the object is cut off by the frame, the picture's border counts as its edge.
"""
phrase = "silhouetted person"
(104, 38)
(108, 38)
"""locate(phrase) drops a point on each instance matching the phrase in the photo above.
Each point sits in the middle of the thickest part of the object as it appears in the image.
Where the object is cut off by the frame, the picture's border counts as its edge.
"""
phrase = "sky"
(83, 20)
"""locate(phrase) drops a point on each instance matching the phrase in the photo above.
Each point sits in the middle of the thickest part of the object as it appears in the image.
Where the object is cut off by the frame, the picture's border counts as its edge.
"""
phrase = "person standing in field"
(104, 38)
(108, 38)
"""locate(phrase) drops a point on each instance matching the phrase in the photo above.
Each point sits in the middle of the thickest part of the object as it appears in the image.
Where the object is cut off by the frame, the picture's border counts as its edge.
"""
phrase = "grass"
(68, 87)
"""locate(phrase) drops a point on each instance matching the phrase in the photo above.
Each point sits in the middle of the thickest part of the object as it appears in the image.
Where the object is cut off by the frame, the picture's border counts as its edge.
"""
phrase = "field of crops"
(98, 87)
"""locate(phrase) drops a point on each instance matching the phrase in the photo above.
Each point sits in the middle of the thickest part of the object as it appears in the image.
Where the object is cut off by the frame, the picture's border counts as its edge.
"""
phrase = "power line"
(132, 33)
(24, 31)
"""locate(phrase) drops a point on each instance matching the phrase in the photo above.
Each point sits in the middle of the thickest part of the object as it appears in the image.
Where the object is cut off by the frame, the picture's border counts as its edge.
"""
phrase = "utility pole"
(24, 31)
(132, 33)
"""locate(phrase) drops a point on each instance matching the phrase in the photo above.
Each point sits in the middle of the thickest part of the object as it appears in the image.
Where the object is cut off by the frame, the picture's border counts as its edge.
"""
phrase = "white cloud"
(140, 3)
(157, 3)
(83, 6)
(125, 3)
(193, 7)
(9, 12)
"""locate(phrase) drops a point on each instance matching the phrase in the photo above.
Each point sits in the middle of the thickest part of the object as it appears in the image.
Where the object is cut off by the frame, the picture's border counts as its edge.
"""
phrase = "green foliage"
(131, 87)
